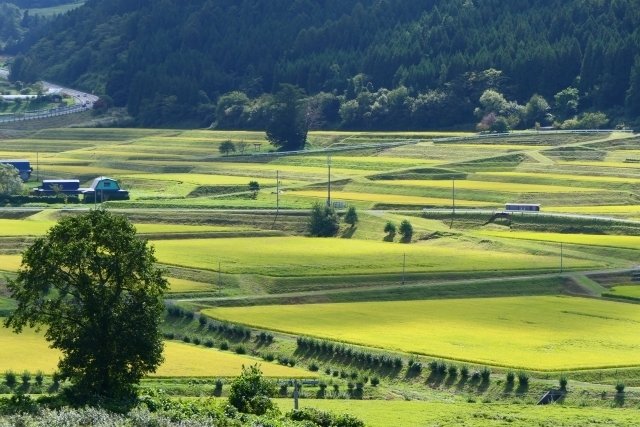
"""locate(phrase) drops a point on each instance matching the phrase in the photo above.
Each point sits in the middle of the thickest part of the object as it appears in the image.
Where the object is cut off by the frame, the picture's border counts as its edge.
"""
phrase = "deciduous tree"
(92, 285)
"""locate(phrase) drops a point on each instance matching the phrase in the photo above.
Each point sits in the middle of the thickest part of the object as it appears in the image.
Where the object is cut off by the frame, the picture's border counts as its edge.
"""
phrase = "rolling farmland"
(243, 256)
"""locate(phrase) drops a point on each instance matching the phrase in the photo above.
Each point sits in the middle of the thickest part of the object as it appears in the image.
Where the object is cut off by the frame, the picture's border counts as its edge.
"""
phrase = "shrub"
(169, 335)
(283, 390)
(269, 357)
(240, 350)
(39, 378)
(523, 379)
(620, 386)
(26, 378)
(441, 368)
(563, 381)
(375, 381)
(10, 379)
(224, 345)
(208, 343)
(323, 221)
(464, 371)
(406, 230)
(475, 376)
(510, 377)
(292, 362)
(250, 392)
(320, 418)
(196, 341)
(217, 390)
(313, 367)
(202, 320)
(390, 229)
(453, 371)
(485, 374)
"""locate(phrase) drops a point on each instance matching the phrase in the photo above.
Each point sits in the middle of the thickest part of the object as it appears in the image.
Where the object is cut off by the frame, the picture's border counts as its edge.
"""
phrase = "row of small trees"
(405, 230)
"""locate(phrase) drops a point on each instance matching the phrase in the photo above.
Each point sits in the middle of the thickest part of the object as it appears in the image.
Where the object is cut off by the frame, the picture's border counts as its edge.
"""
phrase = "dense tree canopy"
(170, 61)
(10, 181)
(93, 286)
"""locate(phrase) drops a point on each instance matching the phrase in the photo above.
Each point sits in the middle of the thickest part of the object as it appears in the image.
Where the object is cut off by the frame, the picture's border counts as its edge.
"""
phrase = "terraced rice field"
(538, 333)
(625, 242)
(29, 351)
(503, 187)
(10, 262)
(397, 199)
(626, 291)
(300, 256)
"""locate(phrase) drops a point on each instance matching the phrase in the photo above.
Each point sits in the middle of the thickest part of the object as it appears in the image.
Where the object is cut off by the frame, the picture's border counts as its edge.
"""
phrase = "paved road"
(83, 102)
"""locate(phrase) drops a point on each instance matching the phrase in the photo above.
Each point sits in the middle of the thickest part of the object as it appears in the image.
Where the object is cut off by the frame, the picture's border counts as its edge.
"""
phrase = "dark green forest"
(374, 64)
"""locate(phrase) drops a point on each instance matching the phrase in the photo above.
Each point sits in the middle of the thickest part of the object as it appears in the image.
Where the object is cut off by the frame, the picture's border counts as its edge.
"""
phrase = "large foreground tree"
(93, 286)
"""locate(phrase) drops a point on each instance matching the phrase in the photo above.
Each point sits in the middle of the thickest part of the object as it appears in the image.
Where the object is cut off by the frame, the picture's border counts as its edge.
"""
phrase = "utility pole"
(277, 198)
(453, 201)
(329, 180)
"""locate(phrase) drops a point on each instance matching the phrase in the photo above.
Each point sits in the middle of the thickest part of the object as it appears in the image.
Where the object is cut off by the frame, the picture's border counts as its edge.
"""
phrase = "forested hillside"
(378, 63)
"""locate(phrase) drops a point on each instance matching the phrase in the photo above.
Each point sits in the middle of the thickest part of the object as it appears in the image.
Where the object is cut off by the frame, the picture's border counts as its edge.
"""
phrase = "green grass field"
(538, 333)
(625, 291)
(301, 256)
(380, 413)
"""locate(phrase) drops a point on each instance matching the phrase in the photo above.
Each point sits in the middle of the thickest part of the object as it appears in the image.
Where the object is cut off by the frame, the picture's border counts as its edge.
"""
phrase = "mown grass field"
(380, 413)
(537, 333)
(300, 256)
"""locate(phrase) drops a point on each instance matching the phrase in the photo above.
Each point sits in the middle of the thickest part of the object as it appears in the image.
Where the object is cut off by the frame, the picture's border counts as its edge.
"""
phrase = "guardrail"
(41, 114)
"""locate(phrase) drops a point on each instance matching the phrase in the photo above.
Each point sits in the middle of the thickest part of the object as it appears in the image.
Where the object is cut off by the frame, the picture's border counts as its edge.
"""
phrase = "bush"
(10, 379)
(620, 386)
(39, 378)
(321, 418)
(523, 379)
(406, 230)
(485, 374)
(563, 381)
(196, 341)
(510, 377)
(453, 371)
(217, 390)
(464, 371)
(26, 378)
(269, 357)
(208, 343)
(241, 350)
(250, 392)
(375, 381)
(323, 222)
(186, 339)
(313, 367)
(224, 345)
(202, 320)
(390, 229)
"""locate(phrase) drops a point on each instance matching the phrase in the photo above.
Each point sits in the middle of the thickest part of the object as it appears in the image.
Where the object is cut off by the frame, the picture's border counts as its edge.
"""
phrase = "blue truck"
(23, 166)
(101, 189)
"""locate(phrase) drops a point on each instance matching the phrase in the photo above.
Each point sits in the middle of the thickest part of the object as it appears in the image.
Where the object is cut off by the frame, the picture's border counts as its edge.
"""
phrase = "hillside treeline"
(170, 61)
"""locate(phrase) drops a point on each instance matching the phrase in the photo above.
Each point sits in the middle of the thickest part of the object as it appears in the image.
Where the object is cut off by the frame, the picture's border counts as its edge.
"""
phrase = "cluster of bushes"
(231, 332)
(23, 383)
(440, 369)
(362, 358)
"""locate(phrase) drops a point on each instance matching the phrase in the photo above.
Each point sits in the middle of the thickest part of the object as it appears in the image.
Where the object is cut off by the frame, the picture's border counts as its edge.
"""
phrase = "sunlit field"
(10, 262)
(626, 242)
(29, 351)
(540, 333)
(300, 256)
(381, 413)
